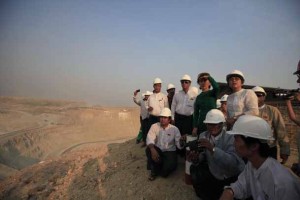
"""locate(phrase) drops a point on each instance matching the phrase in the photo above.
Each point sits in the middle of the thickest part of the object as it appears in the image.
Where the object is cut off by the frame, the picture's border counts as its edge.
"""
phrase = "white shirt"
(183, 104)
(157, 101)
(166, 139)
(244, 101)
(272, 181)
(143, 105)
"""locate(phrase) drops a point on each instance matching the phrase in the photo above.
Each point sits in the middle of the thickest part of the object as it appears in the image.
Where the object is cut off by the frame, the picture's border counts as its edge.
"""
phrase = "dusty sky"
(101, 51)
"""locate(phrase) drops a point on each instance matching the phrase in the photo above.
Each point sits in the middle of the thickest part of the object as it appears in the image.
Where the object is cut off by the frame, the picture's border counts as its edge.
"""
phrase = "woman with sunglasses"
(240, 101)
(205, 101)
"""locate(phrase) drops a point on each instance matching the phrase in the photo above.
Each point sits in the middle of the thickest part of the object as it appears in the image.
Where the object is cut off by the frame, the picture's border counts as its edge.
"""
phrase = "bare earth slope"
(66, 150)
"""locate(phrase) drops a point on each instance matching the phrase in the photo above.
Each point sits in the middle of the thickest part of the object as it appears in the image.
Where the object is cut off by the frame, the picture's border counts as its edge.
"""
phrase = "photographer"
(296, 166)
(217, 164)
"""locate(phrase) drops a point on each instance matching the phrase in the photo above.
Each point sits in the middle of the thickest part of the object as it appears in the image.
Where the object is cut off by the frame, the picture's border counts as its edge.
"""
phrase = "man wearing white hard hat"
(240, 101)
(162, 140)
(171, 92)
(223, 107)
(273, 116)
(216, 164)
(263, 177)
(183, 107)
(144, 114)
(296, 119)
(156, 102)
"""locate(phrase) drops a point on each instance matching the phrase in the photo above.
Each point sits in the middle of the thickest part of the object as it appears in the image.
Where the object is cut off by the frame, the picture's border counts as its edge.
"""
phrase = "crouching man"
(215, 163)
(263, 177)
(162, 140)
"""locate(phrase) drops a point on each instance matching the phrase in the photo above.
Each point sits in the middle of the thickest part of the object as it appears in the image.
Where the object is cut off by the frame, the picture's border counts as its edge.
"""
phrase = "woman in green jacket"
(205, 101)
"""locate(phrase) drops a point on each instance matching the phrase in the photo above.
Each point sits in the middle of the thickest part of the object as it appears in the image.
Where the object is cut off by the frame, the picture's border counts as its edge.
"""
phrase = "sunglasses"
(186, 82)
(260, 95)
(202, 80)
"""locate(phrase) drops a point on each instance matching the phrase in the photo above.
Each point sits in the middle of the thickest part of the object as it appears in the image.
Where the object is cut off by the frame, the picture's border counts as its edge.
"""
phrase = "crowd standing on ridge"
(235, 153)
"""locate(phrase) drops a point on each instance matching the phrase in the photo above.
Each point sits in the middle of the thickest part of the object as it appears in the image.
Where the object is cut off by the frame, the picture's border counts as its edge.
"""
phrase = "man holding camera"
(215, 163)
(273, 116)
(296, 166)
(144, 114)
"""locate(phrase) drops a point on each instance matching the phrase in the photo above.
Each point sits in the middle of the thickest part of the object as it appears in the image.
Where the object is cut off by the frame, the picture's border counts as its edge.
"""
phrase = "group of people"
(237, 142)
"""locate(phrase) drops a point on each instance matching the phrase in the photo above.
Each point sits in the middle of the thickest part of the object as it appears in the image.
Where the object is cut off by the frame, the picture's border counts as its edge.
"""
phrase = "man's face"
(164, 121)
(240, 146)
(185, 84)
(260, 98)
(171, 91)
(157, 87)
(224, 106)
(214, 129)
(298, 80)
(146, 97)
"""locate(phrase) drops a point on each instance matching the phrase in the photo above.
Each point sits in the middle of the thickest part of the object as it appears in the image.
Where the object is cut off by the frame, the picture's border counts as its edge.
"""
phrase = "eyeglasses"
(186, 82)
(202, 80)
(260, 94)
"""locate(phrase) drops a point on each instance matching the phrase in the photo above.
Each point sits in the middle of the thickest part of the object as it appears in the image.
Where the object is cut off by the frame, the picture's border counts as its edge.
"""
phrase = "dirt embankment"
(63, 150)
(116, 171)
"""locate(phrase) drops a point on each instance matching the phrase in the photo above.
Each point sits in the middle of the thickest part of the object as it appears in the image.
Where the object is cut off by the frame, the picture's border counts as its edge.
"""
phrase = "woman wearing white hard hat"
(218, 164)
(263, 177)
(240, 101)
(162, 140)
(205, 101)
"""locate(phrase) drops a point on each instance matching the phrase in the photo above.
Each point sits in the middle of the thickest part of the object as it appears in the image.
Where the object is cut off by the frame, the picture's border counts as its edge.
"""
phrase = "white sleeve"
(151, 136)
(251, 103)
(240, 188)
(173, 106)
(177, 138)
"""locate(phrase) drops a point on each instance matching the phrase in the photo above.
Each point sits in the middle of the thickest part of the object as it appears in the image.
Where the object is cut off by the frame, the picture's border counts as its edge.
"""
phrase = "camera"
(285, 94)
(138, 90)
(193, 145)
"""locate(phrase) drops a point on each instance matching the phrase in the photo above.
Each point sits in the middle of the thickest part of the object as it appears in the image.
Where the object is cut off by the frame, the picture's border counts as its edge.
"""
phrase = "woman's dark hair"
(264, 149)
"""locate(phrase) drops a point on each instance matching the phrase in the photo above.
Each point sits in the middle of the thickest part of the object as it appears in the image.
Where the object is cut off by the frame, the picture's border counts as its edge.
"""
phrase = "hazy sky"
(101, 51)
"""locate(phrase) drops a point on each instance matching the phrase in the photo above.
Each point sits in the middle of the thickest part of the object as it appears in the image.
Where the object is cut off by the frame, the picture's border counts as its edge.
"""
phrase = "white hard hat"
(259, 89)
(235, 73)
(148, 93)
(186, 77)
(214, 116)
(218, 103)
(166, 112)
(157, 80)
(193, 91)
(170, 86)
(224, 98)
(252, 126)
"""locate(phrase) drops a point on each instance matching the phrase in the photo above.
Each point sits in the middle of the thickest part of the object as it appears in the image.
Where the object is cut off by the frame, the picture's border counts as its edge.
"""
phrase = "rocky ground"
(115, 171)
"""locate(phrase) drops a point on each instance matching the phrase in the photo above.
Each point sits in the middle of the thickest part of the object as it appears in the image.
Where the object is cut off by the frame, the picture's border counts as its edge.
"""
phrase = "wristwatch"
(214, 149)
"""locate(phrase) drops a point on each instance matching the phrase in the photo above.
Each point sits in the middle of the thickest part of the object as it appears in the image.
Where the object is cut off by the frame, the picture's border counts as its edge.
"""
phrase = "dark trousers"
(166, 164)
(184, 123)
(206, 186)
(273, 152)
(152, 120)
(145, 128)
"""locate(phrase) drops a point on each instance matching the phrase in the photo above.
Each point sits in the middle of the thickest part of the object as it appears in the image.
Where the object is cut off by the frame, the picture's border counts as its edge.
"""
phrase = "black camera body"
(285, 94)
(193, 145)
